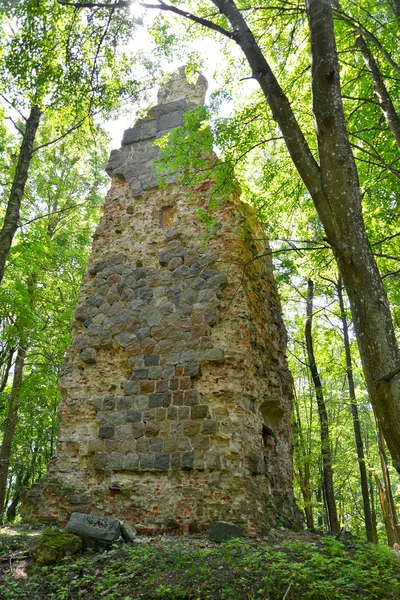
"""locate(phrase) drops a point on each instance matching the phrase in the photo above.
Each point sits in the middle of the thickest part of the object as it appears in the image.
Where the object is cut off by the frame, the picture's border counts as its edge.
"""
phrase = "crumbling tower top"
(179, 88)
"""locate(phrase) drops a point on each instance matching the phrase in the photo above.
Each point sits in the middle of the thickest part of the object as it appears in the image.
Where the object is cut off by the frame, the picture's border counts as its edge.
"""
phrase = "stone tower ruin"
(175, 393)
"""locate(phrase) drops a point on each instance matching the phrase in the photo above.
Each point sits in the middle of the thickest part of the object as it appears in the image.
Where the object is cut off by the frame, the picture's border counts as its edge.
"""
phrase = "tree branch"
(61, 137)
(119, 4)
(190, 16)
(386, 104)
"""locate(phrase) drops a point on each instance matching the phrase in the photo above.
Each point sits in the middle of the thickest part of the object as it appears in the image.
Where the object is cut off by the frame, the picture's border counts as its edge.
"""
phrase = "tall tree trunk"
(11, 422)
(386, 496)
(303, 466)
(11, 218)
(334, 188)
(372, 500)
(372, 535)
(385, 102)
(323, 417)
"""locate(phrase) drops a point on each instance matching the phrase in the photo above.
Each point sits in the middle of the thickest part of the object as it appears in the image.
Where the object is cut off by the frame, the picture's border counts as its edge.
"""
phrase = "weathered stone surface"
(53, 545)
(89, 355)
(128, 532)
(175, 394)
(220, 531)
(89, 527)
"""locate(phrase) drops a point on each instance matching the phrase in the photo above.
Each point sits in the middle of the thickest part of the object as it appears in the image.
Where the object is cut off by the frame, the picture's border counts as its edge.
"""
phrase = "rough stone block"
(131, 461)
(137, 430)
(156, 444)
(147, 386)
(142, 333)
(192, 369)
(143, 444)
(199, 411)
(200, 442)
(128, 532)
(174, 263)
(131, 135)
(139, 374)
(162, 462)
(170, 445)
(134, 416)
(81, 313)
(146, 461)
(162, 385)
(80, 343)
(191, 428)
(151, 429)
(256, 464)
(220, 531)
(155, 372)
(187, 461)
(106, 432)
(140, 402)
(156, 399)
(125, 339)
(161, 414)
(109, 403)
(181, 271)
(153, 360)
(183, 412)
(124, 403)
(177, 398)
(115, 461)
(89, 356)
(89, 527)
(131, 388)
(191, 397)
(170, 120)
(100, 461)
(172, 413)
(123, 432)
(209, 427)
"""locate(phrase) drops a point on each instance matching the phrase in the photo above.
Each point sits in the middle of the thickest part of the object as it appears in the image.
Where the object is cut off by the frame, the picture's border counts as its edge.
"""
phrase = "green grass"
(320, 569)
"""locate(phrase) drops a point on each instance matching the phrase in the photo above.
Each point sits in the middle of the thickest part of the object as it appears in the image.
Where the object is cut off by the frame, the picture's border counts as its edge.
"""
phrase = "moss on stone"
(54, 544)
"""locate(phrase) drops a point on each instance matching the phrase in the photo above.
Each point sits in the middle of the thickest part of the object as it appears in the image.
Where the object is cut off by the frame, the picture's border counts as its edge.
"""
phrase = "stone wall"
(175, 395)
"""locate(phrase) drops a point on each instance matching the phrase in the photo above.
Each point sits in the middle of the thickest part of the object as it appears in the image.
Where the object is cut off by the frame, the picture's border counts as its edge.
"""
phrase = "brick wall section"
(175, 394)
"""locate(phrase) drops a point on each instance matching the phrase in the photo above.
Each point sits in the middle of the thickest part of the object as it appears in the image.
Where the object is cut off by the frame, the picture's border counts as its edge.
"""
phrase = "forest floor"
(282, 566)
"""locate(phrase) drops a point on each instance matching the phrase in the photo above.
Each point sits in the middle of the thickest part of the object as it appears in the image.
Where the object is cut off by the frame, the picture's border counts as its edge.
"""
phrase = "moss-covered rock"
(54, 544)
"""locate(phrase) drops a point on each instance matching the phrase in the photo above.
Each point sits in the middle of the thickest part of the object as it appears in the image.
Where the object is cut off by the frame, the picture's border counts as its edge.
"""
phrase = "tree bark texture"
(11, 218)
(334, 188)
(303, 467)
(323, 417)
(385, 102)
(386, 497)
(372, 535)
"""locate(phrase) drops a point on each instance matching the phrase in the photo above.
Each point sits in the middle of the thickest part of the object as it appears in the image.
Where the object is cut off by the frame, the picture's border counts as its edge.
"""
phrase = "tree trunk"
(385, 102)
(386, 496)
(11, 422)
(303, 467)
(334, 188)
(323, 417)
(372, 500)
(11, 218)
(372, 535)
